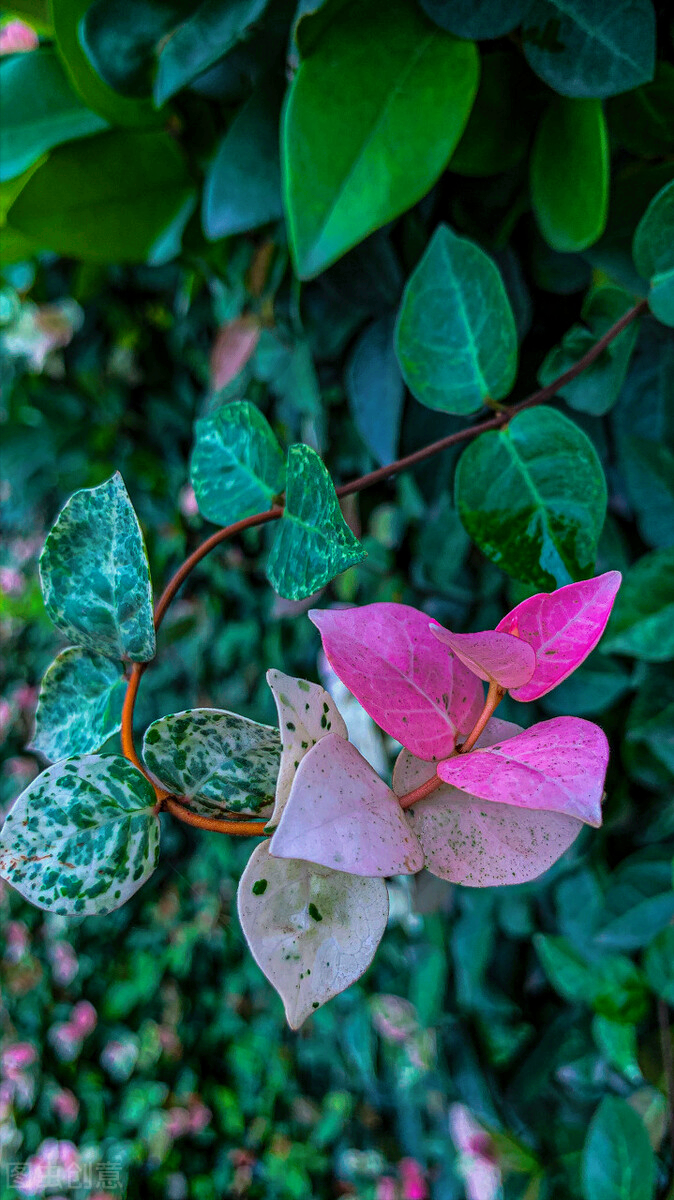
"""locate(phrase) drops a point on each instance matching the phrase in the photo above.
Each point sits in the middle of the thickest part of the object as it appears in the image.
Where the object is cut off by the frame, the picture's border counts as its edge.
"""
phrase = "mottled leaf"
(80, 704)
(491, 655)
(653, 251)
(306, 713)
(237, 465)
(642, 622)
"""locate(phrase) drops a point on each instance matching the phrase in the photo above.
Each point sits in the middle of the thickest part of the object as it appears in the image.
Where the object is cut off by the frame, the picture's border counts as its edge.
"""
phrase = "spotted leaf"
(306, 713)
(80, 704)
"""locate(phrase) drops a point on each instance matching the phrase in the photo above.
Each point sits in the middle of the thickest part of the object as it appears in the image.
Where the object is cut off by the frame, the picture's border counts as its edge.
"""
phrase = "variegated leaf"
(80, 704)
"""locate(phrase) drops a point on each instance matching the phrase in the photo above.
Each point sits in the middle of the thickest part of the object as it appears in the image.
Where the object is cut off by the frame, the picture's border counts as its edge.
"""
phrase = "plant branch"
(495, 695)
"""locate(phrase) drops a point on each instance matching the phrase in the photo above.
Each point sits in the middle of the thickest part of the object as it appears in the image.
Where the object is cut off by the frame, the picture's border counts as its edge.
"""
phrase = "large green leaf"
(570, 166)
(595, 390)
(207, 35)
(373, 115)
(618, 1161)
(83, 837)
(313, 542)
(476, 18)
(95, 576)
(219, 760)
(642, 621)
(80, 704)
(237, 465)
(120, 197)
(456, 339)
(653, 251)
(39, 110)
(588, 48)
(533, 497)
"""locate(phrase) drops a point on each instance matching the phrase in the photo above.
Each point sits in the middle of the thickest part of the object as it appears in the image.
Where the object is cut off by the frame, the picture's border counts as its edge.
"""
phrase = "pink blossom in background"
(12, 581)
(477, 1163)
(55, 1164)
(234, 345)
(182, 1121)
(63, 961)
(386, 1188)
(84, 1017)
(16, 37)
(17, 939)
(65, 1104)
(6, 717)
(16, 1058)
(187, 501)
(413, 1180)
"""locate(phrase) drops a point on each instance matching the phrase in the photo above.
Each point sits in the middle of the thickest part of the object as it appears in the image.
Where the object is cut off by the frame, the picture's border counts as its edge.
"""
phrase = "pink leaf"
(563, 627)
(387, 656)
(558, 765)
(507, 660)
(233, 346)
(476, 842)
(306, 713)
(342, 815)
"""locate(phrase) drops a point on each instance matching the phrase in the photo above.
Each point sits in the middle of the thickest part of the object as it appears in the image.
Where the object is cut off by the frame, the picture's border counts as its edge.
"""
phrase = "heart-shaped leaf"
(311, 930)
(563, 627)
(219, 760)
(83, 837)
(388, 657)
(237, 465)
(557, 765)
(306, 713)
(491, 655)
(476, 842)
(342, 815)
(80, 704)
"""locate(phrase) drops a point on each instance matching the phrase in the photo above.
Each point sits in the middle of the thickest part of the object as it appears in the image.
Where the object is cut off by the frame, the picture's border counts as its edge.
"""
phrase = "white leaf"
(306, 713)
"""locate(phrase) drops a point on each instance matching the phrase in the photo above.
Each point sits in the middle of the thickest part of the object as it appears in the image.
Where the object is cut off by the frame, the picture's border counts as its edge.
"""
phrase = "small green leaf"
(237, 464)
(595, 390)
(313, 542)
(80, 704)
(659, 964)
(642, 621)
(533, 497)
(570, 167)
(207, 35)
(219, 760)
(653, 251)
(618, 1044)
(83, 837)
(618, 1161)
(95, 576)
(456, 339)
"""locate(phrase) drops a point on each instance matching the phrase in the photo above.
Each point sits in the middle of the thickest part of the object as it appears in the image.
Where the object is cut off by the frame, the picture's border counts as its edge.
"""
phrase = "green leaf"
(39, 110)
(659, 964)
(567, 970)
(618, 1161)
(95, 575)
(642, 119)
(208, 34)
(476, 19)
(587, 48)
(83, 837)
(237, 464)
(595, 390)
(613, 986)
(648, 467)
(533, 497)
(618, 1044)
(375, 390)
(119, 39)
(243, 183)
(499, 127)
(456, 339)
(653, 251)
(372, 117)
(80, 704)
(570, 167)
(313, 543)
(121, 197)
(642, 621)
(10, 189)
(219, 760)
(634, 928)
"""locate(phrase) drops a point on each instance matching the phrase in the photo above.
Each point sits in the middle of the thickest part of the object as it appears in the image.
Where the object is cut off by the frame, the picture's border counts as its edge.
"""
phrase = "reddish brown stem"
(495, 695)
(419, 793)
(216, 825)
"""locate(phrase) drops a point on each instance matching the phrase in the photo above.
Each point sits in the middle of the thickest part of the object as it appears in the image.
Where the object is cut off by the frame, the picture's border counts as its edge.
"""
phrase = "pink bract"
(563, 627)
(507, 660)
(391, 662)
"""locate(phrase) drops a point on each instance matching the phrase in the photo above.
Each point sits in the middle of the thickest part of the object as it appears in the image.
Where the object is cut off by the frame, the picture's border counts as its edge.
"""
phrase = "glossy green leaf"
(208, 34)
(642, 621)
(595, 390)
(533, 497)
(643, 119)
(618, 1162)
(313, 542)
(95, 575)
(618, 1044)
(570, 165)
(476, 19)
(456, 339)
(119, 39)
(659, 964)
(80, 704)
(219, 760)
(237, 465)
(587, 48)
(499, 127)
(10, 188)
(373, 115)
(375, 390)
(40, 110)
(653, 251)
(83, 837)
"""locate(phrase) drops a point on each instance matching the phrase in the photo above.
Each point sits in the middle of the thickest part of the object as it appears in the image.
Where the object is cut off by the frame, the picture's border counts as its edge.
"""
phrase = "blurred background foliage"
(145, 279)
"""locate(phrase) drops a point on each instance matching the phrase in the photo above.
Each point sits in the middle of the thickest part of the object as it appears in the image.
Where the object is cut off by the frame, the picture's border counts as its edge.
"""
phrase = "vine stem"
(225, 825)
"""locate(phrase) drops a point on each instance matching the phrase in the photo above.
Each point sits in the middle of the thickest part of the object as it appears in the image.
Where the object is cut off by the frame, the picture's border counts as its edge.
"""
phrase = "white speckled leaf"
(237, 465)
(221, 761)
(306, 713)
(95, 575)
(311, 930)
(342, 815)
(83, 837)
(80, 704)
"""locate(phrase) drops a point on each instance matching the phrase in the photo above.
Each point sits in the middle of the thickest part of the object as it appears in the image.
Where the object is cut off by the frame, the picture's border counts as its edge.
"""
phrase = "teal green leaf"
(642, 120)
(642, 621)
(219, 760)
(39, 110)
(570, 168)
(313, 542)
(83, 837)
(95, 575)
(595, 390)
(123, 198)
(372, 118)
(588, 48)
(659, 964)
(533, 497)
(618, 1162)
(375, 390)
(618, 1044)
(119, 39)
(648, 467)
(499, 127)
(237, 464)
(456, 339)
(476, 19)
(80, 704)
(653, 251)
(208, 34)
